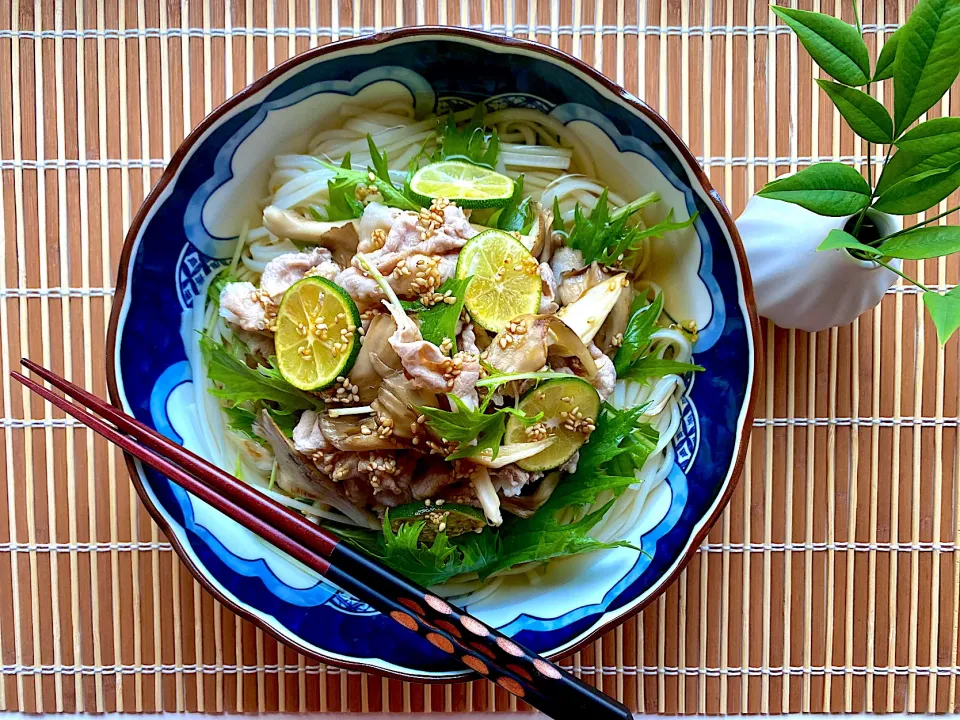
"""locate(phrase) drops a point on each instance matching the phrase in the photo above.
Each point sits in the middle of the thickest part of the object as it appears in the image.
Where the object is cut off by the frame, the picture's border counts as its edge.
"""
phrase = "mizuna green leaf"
(927, 59)
(866, 117)
(833, 44)
(919, 192)
(923, 243)
(944, 311)
(236, 382)
(830, 189)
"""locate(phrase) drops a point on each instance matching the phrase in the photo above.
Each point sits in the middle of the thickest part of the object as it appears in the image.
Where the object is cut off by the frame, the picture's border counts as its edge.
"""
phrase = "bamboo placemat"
(832, 581)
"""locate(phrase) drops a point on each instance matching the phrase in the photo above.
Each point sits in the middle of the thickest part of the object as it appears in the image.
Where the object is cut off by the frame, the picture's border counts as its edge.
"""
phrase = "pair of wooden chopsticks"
(482, 649)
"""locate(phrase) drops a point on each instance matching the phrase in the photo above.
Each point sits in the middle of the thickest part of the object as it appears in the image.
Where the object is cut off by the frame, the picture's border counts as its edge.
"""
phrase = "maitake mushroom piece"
(526, 343)
(299, 478)
(586, 315)
(340, 237)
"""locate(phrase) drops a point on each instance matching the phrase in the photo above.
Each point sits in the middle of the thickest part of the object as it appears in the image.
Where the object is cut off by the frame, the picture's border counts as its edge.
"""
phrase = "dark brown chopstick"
(484, 650)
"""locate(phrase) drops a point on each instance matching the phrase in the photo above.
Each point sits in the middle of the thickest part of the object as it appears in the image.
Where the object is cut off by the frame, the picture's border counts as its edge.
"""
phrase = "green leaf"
(905, 164)
(935, 136)
(921, 192)
(829, 189)
(242, 419)
(944, 311)
(473, 429)
(866, 117)
(923, 243)
(343, 203)
(471, 143)
(926, 64)
(619, 436)
(840, 240)
(600, 235)
(235, 381)
(636, 337)
(833, 44)
(632, 240)
(224, 277)
(557, 215)
(513, 216)
(345, 181)
(654, 367)
(885, 63)
(439, 321)
(542, 538)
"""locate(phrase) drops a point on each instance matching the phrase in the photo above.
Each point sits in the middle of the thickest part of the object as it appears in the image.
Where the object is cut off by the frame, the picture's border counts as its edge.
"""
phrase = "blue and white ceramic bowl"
(188, 225)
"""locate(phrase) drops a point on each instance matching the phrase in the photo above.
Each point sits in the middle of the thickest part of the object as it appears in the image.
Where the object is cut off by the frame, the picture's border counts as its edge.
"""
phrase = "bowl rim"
(454, 34)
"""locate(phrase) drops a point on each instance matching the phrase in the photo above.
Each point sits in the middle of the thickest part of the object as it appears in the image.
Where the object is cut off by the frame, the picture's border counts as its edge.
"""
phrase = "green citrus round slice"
(569, 407)
(452, 519)
(506, 279)
(316, 337)
(466, 184)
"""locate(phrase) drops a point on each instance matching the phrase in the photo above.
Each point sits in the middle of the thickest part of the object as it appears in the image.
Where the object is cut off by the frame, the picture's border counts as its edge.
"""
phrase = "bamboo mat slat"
(832, 581)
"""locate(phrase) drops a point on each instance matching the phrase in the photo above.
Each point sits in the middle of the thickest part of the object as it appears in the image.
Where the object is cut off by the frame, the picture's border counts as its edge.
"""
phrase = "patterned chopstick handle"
(517, 670)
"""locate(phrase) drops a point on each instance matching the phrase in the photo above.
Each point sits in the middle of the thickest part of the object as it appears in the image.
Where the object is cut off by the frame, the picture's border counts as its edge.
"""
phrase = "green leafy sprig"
(604, 236)
(633, 360)
(471, 143)
(343, 203)
(922, 164)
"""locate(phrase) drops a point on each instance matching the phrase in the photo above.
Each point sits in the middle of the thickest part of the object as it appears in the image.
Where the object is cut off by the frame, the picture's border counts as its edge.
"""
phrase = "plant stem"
(873, 194)
(892, 269)
(921, 224)
(856, 16)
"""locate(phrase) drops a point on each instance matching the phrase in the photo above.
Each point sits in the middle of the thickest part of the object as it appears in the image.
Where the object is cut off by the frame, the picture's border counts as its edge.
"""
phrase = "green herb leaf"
(866, 117)
(473, 429)
(238, 383)
(830, 189)
(242, 419)
(938, 135)
(944, 311)
(620, 445)
(923, 243)
(439, 321)
(885, 63)
(345, 182)
(603, 232)
(839, 240)
(343, 203)
(631, 241)
(557, 215)
(917, 193)
(636, 338)
(513, 216)
(471, 143)
(653, 367)
(224, 277)
(427, 564)
(833, 44)
(543, 538)
(926, 64)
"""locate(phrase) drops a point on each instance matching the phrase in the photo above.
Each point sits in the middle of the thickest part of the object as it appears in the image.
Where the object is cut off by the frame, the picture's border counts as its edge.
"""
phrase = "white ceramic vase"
(798, 286)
